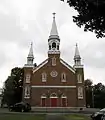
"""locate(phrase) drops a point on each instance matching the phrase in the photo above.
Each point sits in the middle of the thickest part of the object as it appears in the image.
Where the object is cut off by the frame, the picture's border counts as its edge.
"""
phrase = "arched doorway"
(43, 100)
(64, 100)
(53, 100)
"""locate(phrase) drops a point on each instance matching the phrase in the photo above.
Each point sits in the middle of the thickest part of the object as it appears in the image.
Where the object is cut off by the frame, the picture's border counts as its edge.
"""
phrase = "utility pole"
(93, 97)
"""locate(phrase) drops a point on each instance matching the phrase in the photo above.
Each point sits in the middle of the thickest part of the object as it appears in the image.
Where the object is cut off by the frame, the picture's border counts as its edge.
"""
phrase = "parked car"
(99, 115)
(20, 107)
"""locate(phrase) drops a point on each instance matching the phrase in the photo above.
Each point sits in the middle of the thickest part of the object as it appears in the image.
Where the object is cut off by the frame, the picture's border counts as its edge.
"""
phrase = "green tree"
(13, 86)
(99, 95)
(90, 15)
(88, 92)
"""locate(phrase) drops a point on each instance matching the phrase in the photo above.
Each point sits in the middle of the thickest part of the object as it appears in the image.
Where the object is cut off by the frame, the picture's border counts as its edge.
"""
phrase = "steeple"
(54, 40)
(77, 58)
(31, 51)
(30, 57)
(54, 27)
(77, 55)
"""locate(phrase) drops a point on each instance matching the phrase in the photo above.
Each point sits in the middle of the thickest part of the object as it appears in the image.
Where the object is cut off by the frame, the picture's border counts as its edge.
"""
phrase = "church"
(54, 83)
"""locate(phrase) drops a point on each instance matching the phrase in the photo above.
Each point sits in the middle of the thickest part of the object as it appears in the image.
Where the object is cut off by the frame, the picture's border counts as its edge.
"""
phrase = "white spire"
(77, 55)
(31, 51)
(77, 58)
(54, 27)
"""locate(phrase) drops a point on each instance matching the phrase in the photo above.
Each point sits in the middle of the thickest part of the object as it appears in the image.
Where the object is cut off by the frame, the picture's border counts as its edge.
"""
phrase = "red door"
(43, 100)
(64, 102)
(53, 102)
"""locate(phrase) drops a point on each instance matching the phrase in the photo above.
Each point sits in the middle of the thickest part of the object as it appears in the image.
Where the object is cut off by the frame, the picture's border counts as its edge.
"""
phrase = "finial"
(54, 15)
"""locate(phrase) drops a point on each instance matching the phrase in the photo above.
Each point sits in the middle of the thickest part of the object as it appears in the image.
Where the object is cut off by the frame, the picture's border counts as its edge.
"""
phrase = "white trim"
(78, 66)
(43, 97)
(63, 80)
(53, 97)
(29, 65)
(63, 96)
(41, 65)
(37, 86)
(66, 65)
(26, 97)
(53, 52)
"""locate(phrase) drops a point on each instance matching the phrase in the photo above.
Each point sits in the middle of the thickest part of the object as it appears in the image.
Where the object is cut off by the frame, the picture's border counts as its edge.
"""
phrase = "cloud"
(24, 21)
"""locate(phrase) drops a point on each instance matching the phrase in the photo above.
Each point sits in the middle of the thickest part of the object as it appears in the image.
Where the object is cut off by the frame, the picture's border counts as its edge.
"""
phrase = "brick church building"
(54, 83)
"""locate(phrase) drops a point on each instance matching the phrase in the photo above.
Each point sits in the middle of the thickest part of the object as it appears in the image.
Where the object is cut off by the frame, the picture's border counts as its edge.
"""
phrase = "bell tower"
(53, 41)
(79, 78)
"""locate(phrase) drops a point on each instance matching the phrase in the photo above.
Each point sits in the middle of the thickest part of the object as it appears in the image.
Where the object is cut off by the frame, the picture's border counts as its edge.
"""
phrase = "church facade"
(54, 83)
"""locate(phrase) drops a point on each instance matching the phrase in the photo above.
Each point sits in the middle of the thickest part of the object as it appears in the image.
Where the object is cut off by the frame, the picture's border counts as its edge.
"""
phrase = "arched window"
(57, 47)
(80, 92)
(63, 77)
(27, 92)
(53, 61)
(79, 78)
(28, 76)
(49, 47)
(53, 45)
(44, 77)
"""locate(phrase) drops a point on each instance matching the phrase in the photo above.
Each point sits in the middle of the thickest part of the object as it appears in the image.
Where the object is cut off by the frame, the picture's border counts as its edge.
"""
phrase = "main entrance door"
(53, 100)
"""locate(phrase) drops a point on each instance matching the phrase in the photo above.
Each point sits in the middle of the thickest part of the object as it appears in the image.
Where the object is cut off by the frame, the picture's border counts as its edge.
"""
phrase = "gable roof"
(61, 61)
(67, 65)
(40, 65)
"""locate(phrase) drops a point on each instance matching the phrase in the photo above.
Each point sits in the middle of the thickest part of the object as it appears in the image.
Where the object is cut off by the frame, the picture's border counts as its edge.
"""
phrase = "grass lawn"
(21, 117)
(42, 117)
(76, 117)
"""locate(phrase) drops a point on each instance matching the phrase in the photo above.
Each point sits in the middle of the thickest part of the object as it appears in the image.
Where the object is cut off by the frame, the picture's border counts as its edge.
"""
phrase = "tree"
(99, 95)
(90, 15)
(13, 86)
(88, 92)
(95, 94)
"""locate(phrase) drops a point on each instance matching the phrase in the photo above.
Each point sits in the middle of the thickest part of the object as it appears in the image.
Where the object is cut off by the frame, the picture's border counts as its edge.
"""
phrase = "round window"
(54, 73)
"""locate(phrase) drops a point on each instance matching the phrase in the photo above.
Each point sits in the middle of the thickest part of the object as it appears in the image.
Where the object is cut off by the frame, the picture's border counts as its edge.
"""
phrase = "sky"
(26, 21)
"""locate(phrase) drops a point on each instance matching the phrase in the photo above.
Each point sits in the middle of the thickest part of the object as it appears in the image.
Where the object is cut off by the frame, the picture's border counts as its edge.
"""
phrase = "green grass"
(21, 117)
(76, 117)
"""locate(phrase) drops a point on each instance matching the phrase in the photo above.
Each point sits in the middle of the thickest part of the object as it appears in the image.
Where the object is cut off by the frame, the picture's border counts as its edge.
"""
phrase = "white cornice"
(78, 66)
(50, 86)
(29, 65)
(53, 52)
(67, 65)
(41, 65)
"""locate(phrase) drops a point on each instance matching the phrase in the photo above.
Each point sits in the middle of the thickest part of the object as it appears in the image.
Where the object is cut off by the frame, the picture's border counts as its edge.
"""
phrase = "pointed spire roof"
(54, 27)
(77, 55)
(31, 51)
